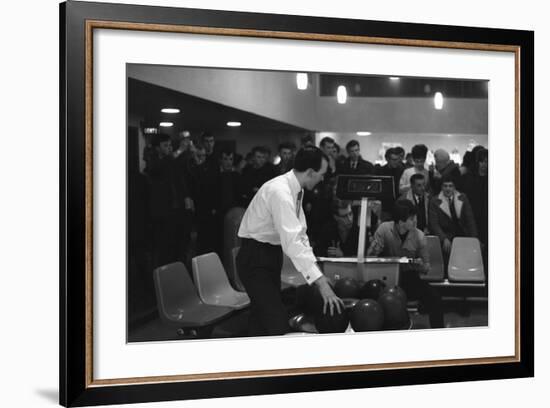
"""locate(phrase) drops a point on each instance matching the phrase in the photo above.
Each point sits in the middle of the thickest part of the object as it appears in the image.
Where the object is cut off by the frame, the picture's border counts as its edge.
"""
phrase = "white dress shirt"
(271, 218)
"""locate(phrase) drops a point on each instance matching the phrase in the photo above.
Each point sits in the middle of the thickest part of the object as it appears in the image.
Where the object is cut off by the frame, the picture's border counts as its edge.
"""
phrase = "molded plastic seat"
(465, 261)
(178, 302)
(437, 266)
(233, 272)
(290, 277)
(213, 285)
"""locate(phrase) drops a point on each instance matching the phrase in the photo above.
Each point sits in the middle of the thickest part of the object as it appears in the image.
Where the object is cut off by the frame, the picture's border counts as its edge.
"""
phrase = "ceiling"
(146, 100)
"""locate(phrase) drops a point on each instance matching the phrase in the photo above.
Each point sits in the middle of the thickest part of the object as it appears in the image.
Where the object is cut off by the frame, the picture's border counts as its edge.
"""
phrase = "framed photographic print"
(258, 204)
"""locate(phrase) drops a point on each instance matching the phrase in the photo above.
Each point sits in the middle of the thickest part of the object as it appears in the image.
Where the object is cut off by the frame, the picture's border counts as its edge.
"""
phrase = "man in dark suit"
(339, 235)
(255, 175)
(394, 169)
(420, 199)
(450, 215)
(354, 164)
(167, 202)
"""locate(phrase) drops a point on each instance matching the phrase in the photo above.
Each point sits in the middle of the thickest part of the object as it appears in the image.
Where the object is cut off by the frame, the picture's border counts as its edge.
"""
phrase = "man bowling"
(273, 223)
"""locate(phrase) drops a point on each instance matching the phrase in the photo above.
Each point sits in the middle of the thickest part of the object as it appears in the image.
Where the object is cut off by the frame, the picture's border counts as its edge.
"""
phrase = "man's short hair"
(227, 151)
(307, 138)
(205, 135)
(326, 140)
(419, 151)
(416, 176)
(287, 145)
(199, 146)
(310, 157)
(403, 210)
(159, 138)
(449, 178)
(388, 153)
(338, 204)
(260, 149)
(351, 144)
(399, 151)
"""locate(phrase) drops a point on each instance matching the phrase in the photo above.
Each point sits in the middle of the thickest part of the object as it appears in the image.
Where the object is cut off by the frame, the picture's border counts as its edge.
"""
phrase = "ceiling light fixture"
(342, 94)
(166, 124)
(233, 124)
(438, 100)
(170, 110)
(394, 78)
(363, 133)
(301, 81)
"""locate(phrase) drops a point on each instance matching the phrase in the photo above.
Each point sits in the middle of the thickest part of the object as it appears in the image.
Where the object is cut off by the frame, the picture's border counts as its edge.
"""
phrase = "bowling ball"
(372, 289)
(347, 288)
(337, 323)
(367, 315)
(396, 315)
(308, 299)
(396, 290)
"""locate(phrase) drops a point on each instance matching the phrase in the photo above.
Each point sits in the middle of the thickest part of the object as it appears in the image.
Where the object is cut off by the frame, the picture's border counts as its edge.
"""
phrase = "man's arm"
(296, 245)
(377, 245)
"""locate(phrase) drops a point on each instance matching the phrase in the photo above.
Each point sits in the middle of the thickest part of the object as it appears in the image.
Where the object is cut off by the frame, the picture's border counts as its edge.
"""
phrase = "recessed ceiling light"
(342, 94)
(394, 78)
(166, 124)
(170, 110)
(233, 124)
(301, 81)
(363, 133)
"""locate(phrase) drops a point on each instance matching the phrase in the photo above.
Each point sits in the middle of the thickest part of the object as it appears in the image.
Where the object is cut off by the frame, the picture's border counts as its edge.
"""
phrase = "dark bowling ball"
(396, 315)
(372, 289)
(397, 291)
(309, 299)
(346, 288)
(367, 315)
(337, 323)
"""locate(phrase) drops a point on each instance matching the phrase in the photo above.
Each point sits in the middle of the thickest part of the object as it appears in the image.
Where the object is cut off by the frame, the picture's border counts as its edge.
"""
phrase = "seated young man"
(400, 237)
(339, 235)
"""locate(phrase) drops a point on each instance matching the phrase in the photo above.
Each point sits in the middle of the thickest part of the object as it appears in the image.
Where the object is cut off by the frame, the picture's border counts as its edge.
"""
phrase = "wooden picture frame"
(78, 20)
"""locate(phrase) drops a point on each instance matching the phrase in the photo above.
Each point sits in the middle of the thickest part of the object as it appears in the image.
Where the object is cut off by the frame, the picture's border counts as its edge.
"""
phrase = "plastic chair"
(465, 261)
(178, 302)
(213, 285)
(437, 270)
(290, 277)
(233, 272)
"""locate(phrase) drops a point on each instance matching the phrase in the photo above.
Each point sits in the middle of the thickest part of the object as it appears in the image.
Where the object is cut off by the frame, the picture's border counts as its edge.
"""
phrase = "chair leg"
(195, 333)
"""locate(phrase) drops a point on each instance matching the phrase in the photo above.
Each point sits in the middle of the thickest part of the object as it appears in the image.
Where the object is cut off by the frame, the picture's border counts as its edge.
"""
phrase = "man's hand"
(446, 245)
(330, 300)
(334, 250)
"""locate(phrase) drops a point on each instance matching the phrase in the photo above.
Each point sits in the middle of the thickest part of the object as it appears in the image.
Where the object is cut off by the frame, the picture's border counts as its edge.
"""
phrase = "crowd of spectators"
(193, 184)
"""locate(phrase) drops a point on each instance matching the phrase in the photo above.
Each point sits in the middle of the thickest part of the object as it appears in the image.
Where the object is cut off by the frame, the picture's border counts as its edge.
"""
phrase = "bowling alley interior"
(398, 224)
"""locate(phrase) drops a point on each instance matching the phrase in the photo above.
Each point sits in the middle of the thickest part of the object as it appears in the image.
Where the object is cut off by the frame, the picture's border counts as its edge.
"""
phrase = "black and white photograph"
(270, 203)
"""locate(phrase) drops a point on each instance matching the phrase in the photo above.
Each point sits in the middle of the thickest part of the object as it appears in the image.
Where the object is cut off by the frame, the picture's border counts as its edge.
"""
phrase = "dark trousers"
(427, 295)
(259, 267)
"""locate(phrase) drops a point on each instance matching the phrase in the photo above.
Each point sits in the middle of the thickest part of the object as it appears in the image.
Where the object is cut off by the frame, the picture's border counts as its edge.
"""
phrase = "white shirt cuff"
(312, 274)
